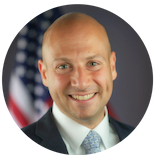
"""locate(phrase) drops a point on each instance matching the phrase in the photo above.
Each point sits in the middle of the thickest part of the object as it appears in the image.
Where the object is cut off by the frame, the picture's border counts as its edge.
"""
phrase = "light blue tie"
(92, 143)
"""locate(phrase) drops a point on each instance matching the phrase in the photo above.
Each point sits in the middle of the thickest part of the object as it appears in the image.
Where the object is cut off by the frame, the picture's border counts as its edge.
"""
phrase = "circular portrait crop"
(77, 79)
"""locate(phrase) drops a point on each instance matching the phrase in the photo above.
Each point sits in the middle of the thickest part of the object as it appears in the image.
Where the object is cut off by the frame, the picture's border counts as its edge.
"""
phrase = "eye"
(92, 63)
(64, 66)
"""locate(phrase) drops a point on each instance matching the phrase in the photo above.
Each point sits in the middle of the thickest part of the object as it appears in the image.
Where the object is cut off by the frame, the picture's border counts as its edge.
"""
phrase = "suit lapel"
(51, 139)
(123, 130)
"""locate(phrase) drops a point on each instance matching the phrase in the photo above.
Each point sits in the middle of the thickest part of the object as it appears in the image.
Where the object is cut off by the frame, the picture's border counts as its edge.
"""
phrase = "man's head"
(78, 67)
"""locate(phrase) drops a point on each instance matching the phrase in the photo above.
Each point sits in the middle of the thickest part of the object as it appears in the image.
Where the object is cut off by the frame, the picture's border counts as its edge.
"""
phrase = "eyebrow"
(94, 56)
(87, 58)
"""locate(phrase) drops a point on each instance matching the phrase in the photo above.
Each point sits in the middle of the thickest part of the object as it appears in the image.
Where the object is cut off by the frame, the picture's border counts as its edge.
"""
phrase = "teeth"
(85, 97)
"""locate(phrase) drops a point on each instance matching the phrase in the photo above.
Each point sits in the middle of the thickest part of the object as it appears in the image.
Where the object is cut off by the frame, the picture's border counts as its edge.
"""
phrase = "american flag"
(28, 98)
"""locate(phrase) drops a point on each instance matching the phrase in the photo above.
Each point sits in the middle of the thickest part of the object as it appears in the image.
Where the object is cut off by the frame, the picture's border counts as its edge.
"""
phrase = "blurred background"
(26, 97)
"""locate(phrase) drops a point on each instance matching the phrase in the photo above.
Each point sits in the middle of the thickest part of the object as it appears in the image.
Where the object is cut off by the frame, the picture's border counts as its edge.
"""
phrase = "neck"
(91, 123)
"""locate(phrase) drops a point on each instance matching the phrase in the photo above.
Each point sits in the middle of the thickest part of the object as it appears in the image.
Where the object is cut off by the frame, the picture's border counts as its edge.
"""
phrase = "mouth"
(82, 97)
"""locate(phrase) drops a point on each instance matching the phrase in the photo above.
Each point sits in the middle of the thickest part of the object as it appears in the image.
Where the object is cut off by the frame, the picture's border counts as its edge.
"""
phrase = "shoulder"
(30, 132)
(122, 129)
(121, 125)
(30, 129)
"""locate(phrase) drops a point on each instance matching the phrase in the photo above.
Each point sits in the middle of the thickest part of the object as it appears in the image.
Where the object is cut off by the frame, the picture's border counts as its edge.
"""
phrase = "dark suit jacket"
(45, 132)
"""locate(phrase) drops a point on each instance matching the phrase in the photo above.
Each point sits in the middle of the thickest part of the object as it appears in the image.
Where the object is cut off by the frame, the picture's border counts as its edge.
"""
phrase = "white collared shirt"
(74, 133)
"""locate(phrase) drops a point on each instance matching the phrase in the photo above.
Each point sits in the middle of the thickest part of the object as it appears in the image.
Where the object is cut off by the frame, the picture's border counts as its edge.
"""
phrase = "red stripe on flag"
(112, 112)
(17, 113)
(49, 102)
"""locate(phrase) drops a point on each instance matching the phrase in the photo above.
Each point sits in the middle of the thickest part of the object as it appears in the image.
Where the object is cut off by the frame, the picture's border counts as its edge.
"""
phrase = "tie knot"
(92, 143)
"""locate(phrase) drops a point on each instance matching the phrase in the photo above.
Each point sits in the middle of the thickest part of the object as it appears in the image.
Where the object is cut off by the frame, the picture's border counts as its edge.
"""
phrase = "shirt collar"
(74, 133)
(103, 129)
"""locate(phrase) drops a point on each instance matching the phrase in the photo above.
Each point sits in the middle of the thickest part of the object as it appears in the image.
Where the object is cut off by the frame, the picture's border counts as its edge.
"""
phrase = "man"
(78, 68)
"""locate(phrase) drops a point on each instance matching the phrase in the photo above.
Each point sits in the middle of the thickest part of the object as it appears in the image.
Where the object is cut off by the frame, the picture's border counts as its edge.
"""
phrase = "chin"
(84, 115)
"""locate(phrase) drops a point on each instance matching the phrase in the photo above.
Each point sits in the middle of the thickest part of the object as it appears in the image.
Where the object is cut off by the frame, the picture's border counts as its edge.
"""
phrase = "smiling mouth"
(84, 97)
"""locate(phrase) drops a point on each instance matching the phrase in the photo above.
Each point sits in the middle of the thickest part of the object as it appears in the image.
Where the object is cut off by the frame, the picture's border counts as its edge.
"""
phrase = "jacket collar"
(51, 139)
(123, 130)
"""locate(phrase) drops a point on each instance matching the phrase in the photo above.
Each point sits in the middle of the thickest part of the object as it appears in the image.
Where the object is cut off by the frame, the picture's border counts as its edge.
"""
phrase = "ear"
(113, 65)
(43, 71)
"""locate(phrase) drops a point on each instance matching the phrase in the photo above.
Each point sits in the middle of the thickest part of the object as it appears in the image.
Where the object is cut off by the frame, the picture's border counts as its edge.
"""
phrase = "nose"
(80, 78)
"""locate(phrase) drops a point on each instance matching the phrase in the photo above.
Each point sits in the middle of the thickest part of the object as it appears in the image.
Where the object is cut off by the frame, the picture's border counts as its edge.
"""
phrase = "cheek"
(57, 85)
(58, 82)
(104, 80)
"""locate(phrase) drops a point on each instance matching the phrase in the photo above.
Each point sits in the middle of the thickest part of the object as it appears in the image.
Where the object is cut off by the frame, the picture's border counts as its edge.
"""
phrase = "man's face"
(79, 73)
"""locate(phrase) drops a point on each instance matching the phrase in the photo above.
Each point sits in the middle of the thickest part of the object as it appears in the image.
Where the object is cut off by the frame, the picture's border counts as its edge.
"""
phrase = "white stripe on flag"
(22, 98)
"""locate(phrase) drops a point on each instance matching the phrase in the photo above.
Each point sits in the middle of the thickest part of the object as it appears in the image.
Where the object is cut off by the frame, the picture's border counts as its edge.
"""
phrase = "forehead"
(76, 39)
(77, 49)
